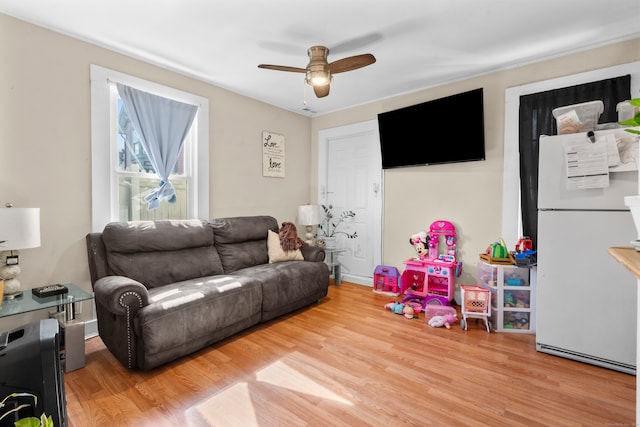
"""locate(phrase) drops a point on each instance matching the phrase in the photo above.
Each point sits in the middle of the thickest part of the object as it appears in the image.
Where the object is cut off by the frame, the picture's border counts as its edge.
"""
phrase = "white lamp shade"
(19, 228)
(309, 215)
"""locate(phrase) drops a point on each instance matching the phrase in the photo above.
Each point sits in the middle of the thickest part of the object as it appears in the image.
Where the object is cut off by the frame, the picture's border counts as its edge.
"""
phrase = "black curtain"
(536, 119)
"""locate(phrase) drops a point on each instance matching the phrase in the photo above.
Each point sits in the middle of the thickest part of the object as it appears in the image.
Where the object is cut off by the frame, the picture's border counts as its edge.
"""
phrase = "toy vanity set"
(430, 277)
(429, 281)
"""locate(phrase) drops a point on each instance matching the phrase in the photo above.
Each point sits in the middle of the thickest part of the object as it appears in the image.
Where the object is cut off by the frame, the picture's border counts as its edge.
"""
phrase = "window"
(121, 171)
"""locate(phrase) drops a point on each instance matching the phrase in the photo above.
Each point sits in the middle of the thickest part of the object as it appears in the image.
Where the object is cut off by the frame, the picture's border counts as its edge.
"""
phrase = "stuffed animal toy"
(416, 306)
(395, 307)
(447, 320)
(419, 242)
(289, 239)
(409, 310)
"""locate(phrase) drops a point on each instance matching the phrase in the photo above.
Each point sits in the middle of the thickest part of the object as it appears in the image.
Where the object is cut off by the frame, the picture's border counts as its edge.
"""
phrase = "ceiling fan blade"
(282, 68)
(321, 91)
(351, 63)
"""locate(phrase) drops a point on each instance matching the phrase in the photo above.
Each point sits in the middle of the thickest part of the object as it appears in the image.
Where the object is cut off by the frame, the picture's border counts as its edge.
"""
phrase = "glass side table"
(72, 328)
(333, 263)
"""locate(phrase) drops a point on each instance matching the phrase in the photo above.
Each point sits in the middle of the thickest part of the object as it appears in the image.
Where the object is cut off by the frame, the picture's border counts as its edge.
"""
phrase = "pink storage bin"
(432, 310)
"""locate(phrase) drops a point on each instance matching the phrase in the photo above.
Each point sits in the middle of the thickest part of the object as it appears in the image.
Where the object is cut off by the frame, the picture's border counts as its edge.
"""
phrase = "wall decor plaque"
(273, 155)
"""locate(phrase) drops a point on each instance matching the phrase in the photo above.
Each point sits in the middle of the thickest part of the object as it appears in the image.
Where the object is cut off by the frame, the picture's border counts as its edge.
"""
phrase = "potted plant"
(330, 227)
(635, 120)
(43, 421)
(633, 202)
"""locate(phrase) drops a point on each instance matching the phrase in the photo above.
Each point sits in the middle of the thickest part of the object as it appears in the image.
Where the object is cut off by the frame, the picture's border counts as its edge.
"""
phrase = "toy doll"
(419, 242)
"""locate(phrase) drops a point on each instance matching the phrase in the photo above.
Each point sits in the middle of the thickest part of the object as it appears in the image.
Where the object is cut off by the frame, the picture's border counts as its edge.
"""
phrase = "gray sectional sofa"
(165, 289)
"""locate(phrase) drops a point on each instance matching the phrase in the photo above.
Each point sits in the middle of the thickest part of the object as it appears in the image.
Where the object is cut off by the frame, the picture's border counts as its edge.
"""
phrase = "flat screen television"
(445, 130)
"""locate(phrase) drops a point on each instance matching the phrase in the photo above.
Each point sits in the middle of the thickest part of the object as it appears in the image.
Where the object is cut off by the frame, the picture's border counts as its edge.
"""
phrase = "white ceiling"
(417, 43)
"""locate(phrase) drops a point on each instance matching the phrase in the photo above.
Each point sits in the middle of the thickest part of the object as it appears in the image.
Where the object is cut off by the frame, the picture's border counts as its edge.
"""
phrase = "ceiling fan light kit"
(318, 78)
(318, 72)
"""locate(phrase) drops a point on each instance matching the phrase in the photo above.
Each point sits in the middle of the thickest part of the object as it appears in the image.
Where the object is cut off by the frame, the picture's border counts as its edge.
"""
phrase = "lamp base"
(308, 237)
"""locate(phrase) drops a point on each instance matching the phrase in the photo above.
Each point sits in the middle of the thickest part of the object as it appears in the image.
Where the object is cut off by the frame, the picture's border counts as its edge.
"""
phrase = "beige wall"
(45, 146)
(467, 194)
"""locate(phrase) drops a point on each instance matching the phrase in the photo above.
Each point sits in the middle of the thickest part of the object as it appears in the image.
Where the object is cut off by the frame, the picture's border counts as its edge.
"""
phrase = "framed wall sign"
(272, 155)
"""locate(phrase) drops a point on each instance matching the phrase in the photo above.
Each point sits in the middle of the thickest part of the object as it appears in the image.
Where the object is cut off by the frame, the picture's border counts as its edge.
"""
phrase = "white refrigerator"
(587, 305)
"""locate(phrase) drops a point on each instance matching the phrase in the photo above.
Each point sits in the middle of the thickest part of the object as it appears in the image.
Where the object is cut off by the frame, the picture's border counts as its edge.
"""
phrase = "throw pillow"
(277, 254)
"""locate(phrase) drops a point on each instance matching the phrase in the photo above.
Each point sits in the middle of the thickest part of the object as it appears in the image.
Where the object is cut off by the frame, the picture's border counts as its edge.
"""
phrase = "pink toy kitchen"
(430, 277)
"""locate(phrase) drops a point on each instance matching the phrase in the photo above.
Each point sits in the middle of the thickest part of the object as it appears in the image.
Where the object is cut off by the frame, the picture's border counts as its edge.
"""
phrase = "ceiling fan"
(319, 71)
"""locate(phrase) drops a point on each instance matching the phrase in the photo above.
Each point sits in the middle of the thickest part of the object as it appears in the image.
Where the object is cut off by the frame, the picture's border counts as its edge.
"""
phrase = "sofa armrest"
(118, 300)
(121, 295)
(313, 253)
(97, 257)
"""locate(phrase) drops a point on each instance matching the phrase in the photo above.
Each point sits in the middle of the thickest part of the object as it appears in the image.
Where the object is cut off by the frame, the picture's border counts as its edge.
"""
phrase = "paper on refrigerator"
(627, 149)
(586, 164)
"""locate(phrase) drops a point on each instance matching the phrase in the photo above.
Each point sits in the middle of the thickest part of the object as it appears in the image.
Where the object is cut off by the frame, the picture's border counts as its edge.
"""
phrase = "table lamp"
(19, 229)
(309, 215)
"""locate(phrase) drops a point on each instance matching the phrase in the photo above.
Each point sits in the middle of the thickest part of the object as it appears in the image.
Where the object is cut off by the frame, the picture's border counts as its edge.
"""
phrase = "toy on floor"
(439, 321)
(386, 280)
(476, 303)
(395, 307)
(409, 310)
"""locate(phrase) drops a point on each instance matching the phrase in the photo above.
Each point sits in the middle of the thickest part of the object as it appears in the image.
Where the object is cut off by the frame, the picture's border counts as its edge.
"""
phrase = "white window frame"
(104, 183)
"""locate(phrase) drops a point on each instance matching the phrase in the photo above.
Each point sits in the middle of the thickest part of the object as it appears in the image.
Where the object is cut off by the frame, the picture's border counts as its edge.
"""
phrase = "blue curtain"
(161, 124)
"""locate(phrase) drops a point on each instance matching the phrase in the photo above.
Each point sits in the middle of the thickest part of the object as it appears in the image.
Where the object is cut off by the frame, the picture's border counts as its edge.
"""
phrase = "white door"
(350, 178)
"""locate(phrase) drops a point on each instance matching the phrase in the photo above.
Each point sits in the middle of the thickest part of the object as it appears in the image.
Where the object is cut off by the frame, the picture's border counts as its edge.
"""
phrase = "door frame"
(324, 136)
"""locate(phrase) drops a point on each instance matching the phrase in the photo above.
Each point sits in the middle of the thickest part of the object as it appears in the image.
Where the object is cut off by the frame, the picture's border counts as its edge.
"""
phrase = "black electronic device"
(49, 290)
(30, 363)
(445, 130)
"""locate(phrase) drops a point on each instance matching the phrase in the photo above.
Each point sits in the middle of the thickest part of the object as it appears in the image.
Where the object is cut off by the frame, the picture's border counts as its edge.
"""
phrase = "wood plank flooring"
(349, 362)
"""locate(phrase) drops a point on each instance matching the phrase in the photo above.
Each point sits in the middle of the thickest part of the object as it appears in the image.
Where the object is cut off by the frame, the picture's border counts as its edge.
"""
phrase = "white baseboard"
(359, 280)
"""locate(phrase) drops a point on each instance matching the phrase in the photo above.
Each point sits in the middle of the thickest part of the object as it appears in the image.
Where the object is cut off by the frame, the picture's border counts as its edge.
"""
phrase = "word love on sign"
(272, 155)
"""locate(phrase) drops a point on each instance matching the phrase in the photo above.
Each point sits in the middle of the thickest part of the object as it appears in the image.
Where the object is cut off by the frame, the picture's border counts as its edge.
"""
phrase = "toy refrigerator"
(586, 301)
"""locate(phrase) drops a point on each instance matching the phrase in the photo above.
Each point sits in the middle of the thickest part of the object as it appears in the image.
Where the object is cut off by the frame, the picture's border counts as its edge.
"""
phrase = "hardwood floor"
(348, 361)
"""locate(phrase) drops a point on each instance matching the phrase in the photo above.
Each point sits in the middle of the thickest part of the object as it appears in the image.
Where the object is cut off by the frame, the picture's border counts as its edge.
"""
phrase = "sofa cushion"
(191, 311)
(289, 285)
(241, 242)
(161, 252)
(277, 254)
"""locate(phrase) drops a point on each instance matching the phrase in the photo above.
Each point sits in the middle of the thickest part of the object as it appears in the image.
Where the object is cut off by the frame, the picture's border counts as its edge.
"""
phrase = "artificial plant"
(635, 121)
(43, 421)
(331, 227)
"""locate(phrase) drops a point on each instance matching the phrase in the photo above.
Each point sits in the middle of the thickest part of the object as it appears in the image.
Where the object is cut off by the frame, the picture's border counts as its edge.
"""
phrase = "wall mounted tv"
(445, 130)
